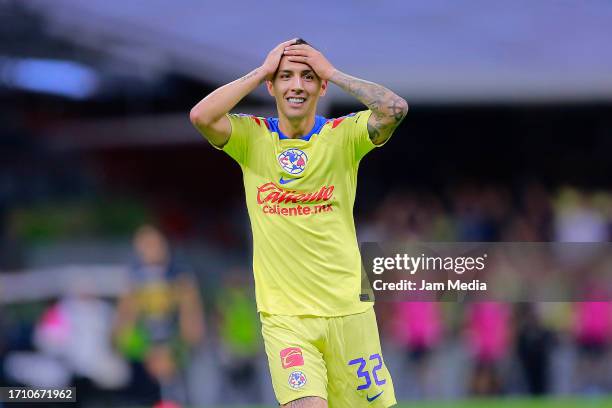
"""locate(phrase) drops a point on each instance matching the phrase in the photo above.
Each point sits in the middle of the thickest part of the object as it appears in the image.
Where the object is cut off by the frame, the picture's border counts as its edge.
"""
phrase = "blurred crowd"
(174, 337)
(473, 212)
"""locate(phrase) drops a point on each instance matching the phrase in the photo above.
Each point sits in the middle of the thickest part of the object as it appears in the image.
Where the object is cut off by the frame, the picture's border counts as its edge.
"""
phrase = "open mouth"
(296, 101)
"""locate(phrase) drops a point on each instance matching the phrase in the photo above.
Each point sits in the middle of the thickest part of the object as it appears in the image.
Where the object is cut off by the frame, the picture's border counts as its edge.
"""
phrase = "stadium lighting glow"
(64, 78)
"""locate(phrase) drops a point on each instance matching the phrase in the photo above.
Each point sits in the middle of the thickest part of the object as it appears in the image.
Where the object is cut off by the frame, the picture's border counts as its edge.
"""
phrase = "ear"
(323, 88)
(270, 87)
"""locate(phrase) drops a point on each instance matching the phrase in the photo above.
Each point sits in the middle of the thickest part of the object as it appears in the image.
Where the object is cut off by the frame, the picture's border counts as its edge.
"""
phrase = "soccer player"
(300, 176)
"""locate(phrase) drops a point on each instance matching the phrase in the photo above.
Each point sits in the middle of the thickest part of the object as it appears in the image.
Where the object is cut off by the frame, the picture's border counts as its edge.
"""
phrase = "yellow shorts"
(335, 358)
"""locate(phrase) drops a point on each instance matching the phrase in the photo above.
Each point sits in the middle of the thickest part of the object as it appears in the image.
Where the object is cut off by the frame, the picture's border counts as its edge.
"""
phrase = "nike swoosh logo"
(285, 181)
(370, 399)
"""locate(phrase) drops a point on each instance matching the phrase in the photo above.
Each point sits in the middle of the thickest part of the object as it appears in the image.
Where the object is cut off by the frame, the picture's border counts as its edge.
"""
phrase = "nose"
(297, 83)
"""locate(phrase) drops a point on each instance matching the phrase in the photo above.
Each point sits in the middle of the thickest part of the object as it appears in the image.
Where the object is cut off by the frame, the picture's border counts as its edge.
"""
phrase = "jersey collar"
(318, 124)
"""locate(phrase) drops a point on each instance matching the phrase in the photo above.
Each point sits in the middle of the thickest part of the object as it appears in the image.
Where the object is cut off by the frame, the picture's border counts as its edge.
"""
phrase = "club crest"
(293, 161)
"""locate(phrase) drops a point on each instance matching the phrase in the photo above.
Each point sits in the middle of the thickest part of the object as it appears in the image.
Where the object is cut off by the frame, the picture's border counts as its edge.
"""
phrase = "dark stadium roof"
(433, 51)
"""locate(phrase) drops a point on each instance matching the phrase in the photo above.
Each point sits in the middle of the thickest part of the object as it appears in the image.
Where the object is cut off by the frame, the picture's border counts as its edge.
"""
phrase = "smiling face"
(296, 89)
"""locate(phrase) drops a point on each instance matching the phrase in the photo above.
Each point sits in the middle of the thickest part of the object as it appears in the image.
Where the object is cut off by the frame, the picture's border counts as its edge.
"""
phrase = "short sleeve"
(237, 146)
(359, 136)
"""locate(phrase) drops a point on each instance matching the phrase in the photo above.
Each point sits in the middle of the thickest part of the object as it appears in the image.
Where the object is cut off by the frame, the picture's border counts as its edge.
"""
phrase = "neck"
(296, 127)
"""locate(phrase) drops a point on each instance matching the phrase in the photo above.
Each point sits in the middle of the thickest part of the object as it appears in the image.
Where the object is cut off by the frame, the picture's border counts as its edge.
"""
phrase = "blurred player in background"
(241, 341)
(300, 177)
(160, 317)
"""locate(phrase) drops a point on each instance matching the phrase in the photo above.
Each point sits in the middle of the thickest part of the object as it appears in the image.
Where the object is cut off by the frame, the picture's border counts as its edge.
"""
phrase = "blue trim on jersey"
(319, 122)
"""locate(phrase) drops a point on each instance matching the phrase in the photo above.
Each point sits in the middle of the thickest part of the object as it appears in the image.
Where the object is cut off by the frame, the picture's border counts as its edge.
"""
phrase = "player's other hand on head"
(306, 54)
(270, 64)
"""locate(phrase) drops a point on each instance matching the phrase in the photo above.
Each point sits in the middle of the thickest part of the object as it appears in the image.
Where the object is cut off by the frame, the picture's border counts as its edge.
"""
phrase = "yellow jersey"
(300, 194)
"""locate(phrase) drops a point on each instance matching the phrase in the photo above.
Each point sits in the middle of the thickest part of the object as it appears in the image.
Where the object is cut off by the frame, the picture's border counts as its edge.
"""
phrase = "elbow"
(197, 118)
(201, 117)
(397, 109)
(403, 105)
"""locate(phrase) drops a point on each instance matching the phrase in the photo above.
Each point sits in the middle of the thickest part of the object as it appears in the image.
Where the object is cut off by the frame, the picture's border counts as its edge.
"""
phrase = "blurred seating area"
(184, 328)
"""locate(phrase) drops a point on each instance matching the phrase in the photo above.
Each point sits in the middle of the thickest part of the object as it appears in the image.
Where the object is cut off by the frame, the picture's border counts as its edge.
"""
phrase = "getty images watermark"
(413, 264)
(508, 271)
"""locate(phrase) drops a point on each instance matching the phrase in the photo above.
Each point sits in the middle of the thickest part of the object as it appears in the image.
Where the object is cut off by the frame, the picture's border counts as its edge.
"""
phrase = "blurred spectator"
(417, 326)
(474, 214)
(520, 229)
(159, 319)
(593, 336)
(536, 208)
(577, 219)
(534, 348)
(489, 341)
(602, 201)
(408, 217)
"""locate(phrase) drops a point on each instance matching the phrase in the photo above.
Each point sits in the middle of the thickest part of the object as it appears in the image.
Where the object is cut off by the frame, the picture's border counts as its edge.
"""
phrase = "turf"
(595, 402)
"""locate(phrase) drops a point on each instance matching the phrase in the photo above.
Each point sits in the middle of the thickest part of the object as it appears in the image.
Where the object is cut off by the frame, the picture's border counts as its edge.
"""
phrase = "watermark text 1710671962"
(28, 394)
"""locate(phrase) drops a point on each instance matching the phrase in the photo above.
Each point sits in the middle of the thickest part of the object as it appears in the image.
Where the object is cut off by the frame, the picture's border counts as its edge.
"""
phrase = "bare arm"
(208, 116)
(388, 109)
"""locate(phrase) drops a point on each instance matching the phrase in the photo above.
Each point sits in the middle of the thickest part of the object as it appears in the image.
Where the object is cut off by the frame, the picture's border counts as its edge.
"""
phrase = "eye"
(309, 77)
(284, 76)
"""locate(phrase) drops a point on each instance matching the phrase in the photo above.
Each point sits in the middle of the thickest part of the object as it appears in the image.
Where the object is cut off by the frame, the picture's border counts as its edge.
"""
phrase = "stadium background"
(507, 139)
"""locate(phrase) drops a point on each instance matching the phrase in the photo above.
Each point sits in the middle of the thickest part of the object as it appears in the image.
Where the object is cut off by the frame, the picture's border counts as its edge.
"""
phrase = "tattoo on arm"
(249, 75)
(388, 109)
(373, 132)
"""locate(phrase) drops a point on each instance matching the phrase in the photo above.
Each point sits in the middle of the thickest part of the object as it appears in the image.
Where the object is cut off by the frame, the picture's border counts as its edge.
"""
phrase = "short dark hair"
(302, 41)
(297, 42)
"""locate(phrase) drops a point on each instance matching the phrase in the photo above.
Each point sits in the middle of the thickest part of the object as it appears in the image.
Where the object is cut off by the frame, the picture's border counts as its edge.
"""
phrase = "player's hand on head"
(270, 64)
(306, 54)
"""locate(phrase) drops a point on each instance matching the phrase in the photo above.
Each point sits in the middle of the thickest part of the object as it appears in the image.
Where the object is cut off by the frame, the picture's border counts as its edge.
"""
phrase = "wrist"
(259, 73)
(334, 75)
(263, 73)
(253, 78)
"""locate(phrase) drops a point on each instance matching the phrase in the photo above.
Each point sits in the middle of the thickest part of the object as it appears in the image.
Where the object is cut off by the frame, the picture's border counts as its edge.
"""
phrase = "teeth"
(296, 100)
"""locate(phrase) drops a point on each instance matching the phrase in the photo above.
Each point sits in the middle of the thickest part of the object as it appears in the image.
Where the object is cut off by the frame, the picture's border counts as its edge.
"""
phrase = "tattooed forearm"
(249, 75)
(388, 109)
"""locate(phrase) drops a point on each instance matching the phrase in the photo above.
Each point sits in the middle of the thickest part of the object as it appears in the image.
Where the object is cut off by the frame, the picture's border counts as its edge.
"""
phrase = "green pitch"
(517, 403)
(594, 402)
